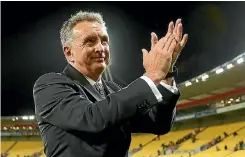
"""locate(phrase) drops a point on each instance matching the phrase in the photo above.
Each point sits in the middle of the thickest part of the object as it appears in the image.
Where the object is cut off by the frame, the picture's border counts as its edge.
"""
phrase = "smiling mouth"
(99, 59)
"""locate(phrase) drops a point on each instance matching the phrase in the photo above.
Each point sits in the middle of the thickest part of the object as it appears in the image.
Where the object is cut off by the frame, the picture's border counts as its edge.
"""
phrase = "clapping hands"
(164, 52)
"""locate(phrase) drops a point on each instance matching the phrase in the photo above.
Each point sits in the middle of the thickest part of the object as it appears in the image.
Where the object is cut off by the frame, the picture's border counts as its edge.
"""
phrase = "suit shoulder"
(113, 85)
(52, 77)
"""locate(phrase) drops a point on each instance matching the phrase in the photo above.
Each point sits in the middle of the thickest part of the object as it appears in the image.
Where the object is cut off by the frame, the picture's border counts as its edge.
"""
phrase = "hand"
(177, 31)
(158, 61)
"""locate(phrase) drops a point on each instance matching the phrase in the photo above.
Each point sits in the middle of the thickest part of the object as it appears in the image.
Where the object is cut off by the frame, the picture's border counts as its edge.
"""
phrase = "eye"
(91, 40)
(104, 41)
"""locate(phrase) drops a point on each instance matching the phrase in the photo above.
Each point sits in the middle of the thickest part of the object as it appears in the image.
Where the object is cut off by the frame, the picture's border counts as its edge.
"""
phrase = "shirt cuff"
(153, 88)
(173, 88)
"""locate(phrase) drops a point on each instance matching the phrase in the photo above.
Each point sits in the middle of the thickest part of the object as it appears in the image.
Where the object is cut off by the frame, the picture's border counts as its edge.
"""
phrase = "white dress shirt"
(153, 87)
(92, 82)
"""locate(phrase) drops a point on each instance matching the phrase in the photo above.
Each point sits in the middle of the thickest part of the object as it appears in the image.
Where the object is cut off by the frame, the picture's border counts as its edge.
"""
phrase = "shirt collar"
(92, 82)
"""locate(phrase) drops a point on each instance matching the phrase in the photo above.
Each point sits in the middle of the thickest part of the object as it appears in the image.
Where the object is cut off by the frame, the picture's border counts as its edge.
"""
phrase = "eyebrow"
(92, 35)
(105, 37)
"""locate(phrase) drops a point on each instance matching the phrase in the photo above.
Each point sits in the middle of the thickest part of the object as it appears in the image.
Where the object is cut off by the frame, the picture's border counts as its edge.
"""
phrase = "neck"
(94, 75)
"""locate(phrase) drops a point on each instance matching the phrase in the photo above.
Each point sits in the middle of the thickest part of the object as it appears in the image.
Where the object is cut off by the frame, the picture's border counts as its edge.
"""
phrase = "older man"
(81, 115)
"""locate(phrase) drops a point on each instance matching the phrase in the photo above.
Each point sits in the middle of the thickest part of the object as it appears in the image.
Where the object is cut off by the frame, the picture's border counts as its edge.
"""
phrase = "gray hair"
(66, 31)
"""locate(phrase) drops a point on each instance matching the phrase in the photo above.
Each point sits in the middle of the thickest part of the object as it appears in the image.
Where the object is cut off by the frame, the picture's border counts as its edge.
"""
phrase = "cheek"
(88, 52)
(107, 52)
(83, 55)
(80, 56)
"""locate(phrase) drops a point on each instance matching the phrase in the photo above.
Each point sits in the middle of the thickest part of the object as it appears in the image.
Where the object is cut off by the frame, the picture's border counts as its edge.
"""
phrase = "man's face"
(89, 50)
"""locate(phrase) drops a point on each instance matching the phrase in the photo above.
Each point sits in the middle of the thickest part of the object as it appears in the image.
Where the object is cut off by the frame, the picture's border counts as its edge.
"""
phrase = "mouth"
(99, 59)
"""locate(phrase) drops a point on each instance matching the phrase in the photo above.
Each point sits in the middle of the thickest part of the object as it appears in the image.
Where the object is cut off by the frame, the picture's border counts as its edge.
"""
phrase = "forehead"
(86, 28)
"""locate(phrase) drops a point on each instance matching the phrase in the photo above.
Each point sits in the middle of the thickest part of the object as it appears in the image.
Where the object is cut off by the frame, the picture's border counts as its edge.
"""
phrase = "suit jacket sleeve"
(58, 102)
(159, 119)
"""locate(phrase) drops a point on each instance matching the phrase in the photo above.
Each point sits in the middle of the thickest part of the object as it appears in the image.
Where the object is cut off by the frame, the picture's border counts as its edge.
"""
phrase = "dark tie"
(99, 87)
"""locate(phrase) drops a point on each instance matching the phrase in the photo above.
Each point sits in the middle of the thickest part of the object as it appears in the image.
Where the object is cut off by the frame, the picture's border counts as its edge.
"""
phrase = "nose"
(99, 48)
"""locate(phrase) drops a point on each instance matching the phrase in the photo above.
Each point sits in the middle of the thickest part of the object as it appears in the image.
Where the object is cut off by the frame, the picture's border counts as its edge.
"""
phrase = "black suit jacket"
(75, 121)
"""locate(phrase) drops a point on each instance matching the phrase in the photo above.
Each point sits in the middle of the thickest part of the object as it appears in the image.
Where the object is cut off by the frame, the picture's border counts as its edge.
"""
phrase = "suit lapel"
(76, 76)
(108, 90)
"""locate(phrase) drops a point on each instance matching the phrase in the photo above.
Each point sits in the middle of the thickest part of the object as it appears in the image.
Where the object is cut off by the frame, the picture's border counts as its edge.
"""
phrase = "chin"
(100, 67)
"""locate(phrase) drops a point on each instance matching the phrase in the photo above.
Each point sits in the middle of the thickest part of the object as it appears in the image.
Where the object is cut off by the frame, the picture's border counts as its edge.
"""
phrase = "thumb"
(145, 52)
(145, 56)
(154, 39)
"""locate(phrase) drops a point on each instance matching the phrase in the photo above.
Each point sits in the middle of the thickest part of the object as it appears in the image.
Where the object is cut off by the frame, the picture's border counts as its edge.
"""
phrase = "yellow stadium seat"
(156, 145)
(175, 155)
(140, 139)
(5, 145)
(239, 153)
(212, 154)
(23, 148)
(210, 133)
(230, 141)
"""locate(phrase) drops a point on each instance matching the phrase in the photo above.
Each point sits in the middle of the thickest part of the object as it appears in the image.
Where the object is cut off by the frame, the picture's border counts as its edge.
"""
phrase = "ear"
(68, 54)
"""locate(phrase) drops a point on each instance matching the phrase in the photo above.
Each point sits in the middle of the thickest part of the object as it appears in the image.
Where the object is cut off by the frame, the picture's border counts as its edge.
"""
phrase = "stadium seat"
(230, 141)
(239, 153)
(140, 139)
(210, 133)
(175, 155)
(5, 145)
(212, 154)
(152, 147)
(23, 148)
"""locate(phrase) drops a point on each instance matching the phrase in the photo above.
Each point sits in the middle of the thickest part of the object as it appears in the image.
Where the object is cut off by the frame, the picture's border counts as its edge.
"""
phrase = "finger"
(170, 31)
(154, 39)
(178, 34)
(171, 27)
(168, 43)
(180, 47)
(172, 46)
(163, 40)
(178, 21)
(184, 41)
(175, 54)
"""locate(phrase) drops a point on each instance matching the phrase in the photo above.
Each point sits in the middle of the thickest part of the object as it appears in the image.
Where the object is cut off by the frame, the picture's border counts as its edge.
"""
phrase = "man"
(80, 114)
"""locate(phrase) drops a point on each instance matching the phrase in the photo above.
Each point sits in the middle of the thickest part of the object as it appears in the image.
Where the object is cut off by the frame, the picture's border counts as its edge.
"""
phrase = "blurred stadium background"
(210, 121)
(210, 118)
